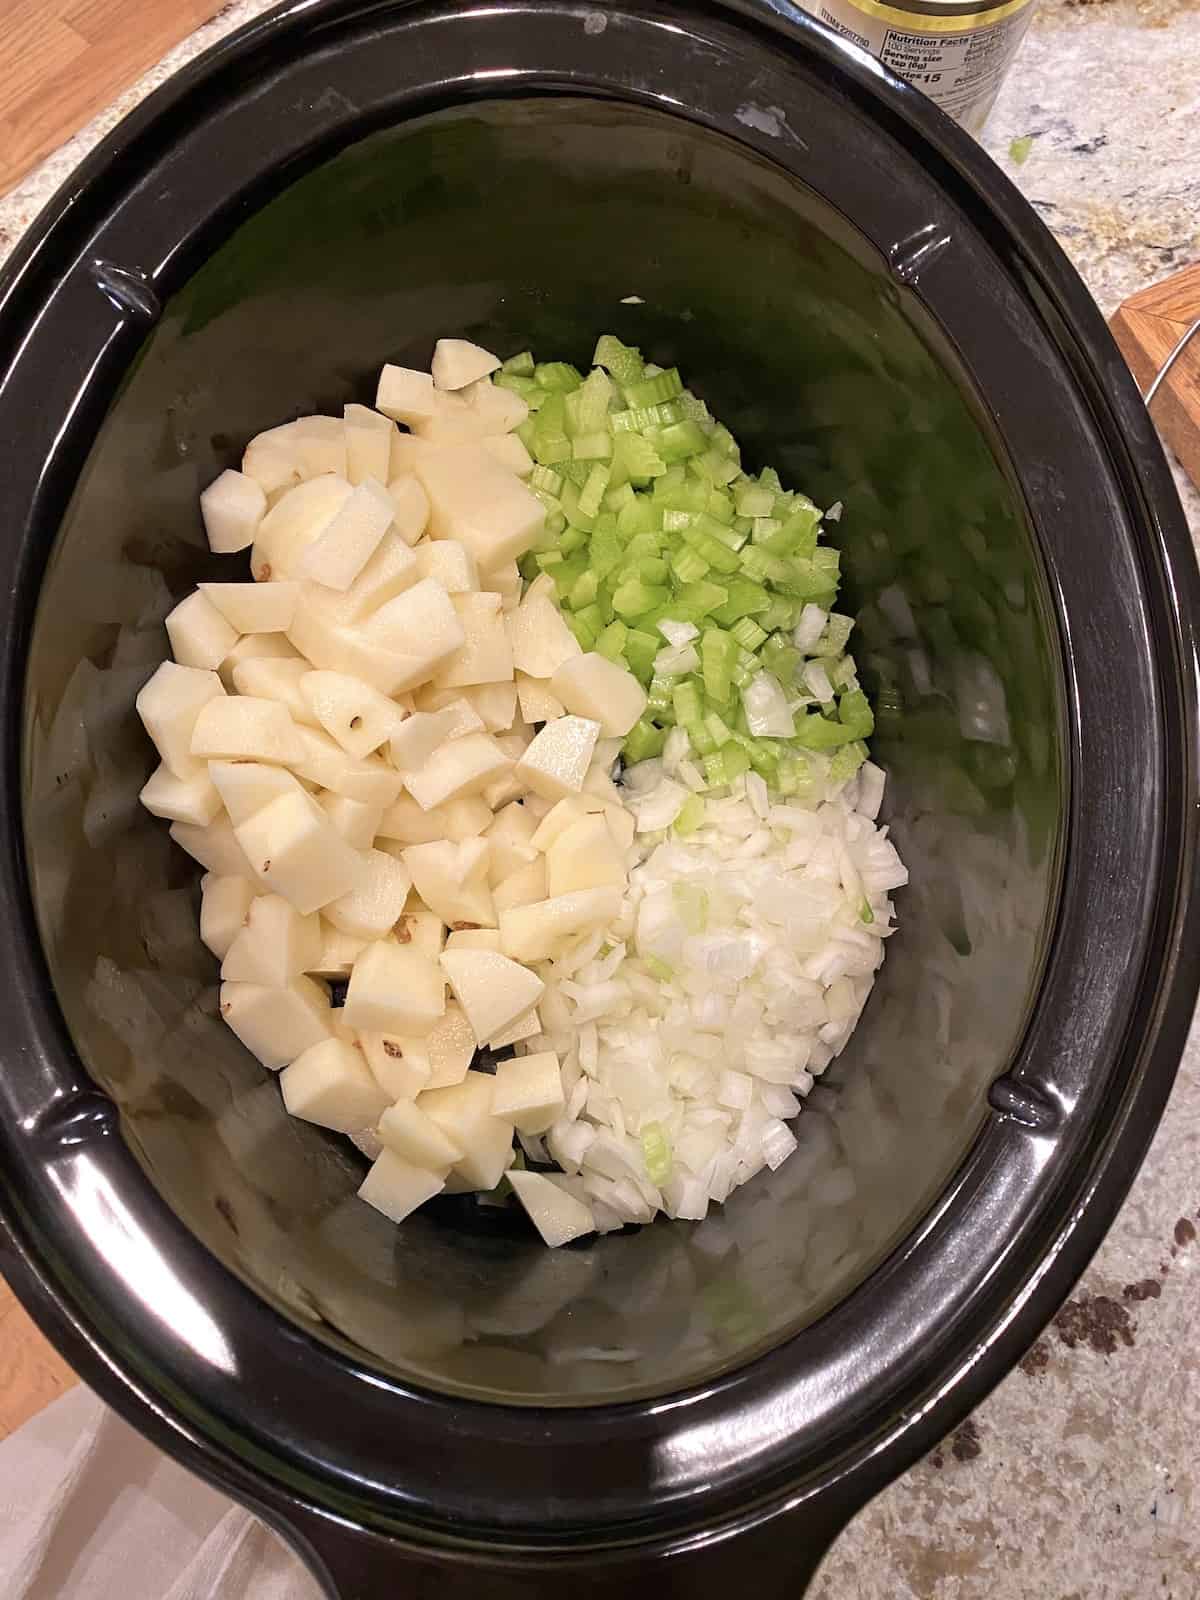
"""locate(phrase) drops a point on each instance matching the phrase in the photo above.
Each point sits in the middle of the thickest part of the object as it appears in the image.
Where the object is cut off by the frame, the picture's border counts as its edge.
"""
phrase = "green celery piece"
(606, 551)
(617, 499)
(520, 366)
(815, 732)
(592, 494)
(592, 617)
(587, 406)
(836, 635)
(690, 497)
(527, 433)
(702, 740)
(583, 591)
(660, 691)
(688, 565)
(640, 650)
(702, 598)
(769, 479)
(576, 472)
(549, 558)
(745, 598)
(714, 468)
(636, 518)
(560, 377)
(636, 456)
(671, 479)
(688, 704)
(634, 598)
(642, 742)
(693, 407)
(653, 391)
(611, 643)
(550, 443)
(567, 574)
(592, 446)
(724, 441)
(516, 384)
(720, 531)
(720, 507)
(572, 539)
(570, 504)
(546, 479)
(678, 441)
(846, 761)
(643, 544)
(691, 815)
(623, 361)
(752, 500)
(717, 654)
(638, 419)
(653, 570)
(854, 713)
(748, 633)
(712, 550)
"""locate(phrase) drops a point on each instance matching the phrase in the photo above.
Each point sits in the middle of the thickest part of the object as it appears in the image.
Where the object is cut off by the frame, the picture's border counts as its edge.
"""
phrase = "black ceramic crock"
(870, 305)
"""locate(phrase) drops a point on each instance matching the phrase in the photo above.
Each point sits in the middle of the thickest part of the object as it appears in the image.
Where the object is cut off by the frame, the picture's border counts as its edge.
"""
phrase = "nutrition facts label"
(959, 61)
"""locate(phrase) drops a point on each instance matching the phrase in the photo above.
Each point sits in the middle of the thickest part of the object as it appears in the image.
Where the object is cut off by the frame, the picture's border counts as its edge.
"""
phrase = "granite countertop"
(1079, 1478)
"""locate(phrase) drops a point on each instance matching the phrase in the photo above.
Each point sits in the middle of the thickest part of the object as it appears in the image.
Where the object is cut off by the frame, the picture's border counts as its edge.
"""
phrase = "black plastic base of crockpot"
(360, 1466)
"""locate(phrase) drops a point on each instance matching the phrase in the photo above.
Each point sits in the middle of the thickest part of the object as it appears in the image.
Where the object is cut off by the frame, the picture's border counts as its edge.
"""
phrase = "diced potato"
(541, 640)
(240, 727)
(368, 444)
(256, 647)
(232, 507)
(506, 581)
(450, 563)
(458, 362)
(592, 686)
(459, 768)
(535, 699)
(446, 1051)
(200, 636)
(394, 988)
(400, 1076)
(583, 857)
(277, 1025)
(464, 1112)
(193, 799)
(406, 395)
(599, 792)
(528, 1091)
(326, 764)
(492, 989)
(355, 820)
(561, 816)
(338, 953)
(270, 466)
(411, 824)
(527, 885)
(506, 448)
(420, 623)
(215, 847)
(535, 933)
(476, 501)
(473, 939)
(495, 704)
(294, 848)
(396, 1188)
(523, 1028)
(254, 607)
(511, 838)
(373, 906)
(410, 508)
(269, 651)
(345, 545)
(485, 656)
(245, 787)
(331, 1085)
(556, 763)
(452, 880)
(419, 736)
(416, 1137)
(557, 1215)
(275, 945)
(224, 903)
(345, 648)
(315, 444)
(295, 522)
(392, 569)
(423, 930)
(353, 713)
(622, 825)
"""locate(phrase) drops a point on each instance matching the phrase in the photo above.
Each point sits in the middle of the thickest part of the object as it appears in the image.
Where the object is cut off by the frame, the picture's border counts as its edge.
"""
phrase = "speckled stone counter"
(1079, 1478)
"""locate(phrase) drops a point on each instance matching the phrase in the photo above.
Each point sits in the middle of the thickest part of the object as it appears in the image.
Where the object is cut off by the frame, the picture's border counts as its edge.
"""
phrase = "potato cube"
(277, 1025)
(525, 886)
(473, 939)
(410, 509)
(506, 448)
(351, 711)
(486, 654)
(450, 563)
(315, 444)
(556, 763)
(416, 739)
(557, 1215)
(562, 815)
(269, 465)
(416, 1137)
(583, 857)
(523, 1028)
(355, 820)
(399, 1075)
(374, 905)
(269, 679)
(592, 686)
(492, 989)
(458, 362)
(331, 1085)
(326, 764)
(528, 1091)
(458, 768)
(464, 1112)
(511, 838)
(338, 953)
(424, 930)
(293, 523)
(224, 903)
(240, 727)
(297, 852)
(368, 443)
(345, 545)
(537, 702)
(478, 502)
(275, 945)
(193, 799)
(396, 1189)
(245, 787)
(264, 647)
(541, 640)
(394, 989)
(199, 634)
(535, 933)
(410, 823)
(495, 704)
(420, 623)
(254, 607)
(452, 880)
(215, 847)
(232, 507)
(406, 395)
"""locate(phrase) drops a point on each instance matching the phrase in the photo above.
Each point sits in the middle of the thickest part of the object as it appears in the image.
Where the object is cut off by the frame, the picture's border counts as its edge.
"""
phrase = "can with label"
(956, 51)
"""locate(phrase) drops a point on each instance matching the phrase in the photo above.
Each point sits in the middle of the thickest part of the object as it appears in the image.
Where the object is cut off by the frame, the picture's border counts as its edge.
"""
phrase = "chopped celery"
(717, 654)
(854, 713)
(636, 457)
(558, 376)
(592, 446)
(699, 598)
(546, 479)
(640, 650)
(678, 441)
(643, 741)
(653, 391)
(688, 565)
(656, 1153)
(659, 969)
(634, 598)
(521, 366)
(611, 642)
(639, 419)
(748, 633)
(691, 815)
(621, 360)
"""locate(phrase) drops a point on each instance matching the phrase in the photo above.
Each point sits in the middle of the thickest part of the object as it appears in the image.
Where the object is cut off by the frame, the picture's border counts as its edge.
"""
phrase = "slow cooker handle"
(776, 1558)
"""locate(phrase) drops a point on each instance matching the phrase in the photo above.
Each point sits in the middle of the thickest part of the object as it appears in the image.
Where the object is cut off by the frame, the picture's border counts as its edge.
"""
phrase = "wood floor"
(62, 61)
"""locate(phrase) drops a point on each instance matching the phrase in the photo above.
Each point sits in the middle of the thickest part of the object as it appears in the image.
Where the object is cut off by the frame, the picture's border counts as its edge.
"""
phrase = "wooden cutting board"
(62, 61)
(1147, 327)
(31, 1373)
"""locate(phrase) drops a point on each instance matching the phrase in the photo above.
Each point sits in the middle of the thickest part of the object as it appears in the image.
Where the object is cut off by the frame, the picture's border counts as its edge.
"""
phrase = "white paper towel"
(90, 1511)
